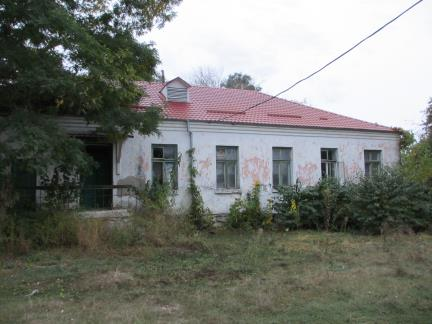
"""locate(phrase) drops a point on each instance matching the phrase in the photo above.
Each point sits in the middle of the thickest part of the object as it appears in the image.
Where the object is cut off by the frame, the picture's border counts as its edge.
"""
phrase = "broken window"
(328, 163)
(164, 164)
(226, 167)
(372, 162)
(281, 166)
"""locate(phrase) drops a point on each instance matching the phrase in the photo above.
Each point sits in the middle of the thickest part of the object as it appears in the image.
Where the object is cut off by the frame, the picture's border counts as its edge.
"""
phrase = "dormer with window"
(176, 90)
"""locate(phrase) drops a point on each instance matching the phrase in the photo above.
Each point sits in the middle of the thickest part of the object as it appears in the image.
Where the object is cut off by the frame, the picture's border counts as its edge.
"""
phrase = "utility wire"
(324, 66)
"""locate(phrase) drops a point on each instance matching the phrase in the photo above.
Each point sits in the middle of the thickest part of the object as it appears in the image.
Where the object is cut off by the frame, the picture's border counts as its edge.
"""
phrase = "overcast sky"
(387, 80)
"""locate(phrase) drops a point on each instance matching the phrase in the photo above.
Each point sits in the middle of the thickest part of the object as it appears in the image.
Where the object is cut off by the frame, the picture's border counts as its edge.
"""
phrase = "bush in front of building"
(390, 199)
(323, 206)
(387, 199)
(248, 213)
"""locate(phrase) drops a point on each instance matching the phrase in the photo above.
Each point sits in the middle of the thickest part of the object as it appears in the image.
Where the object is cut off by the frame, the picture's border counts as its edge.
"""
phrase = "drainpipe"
(190, 148)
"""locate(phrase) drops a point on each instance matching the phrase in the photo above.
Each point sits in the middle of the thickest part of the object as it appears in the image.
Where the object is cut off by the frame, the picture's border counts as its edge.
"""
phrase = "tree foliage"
(417, 158)
(240, 81)
(387, 199)
(428, 123)
(75, 57)
(406, 140)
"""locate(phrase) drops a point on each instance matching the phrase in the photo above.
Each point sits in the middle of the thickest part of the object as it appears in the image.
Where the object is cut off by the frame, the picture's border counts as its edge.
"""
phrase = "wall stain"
(204, 164)
(257, 169)
(142, 166)
(353, 169)
(307, 173)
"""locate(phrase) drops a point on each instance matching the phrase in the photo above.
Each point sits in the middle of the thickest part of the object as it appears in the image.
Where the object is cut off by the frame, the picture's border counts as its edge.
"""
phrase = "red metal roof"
(212, 104)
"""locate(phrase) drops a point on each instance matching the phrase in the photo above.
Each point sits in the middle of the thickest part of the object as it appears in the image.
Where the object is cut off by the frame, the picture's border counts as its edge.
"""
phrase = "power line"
(326, 65)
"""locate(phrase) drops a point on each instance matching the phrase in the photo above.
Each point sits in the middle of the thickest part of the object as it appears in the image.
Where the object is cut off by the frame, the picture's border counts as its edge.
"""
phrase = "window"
(281, 166)
(226, 167)
(164, 164)
(328, 162)
(372, 162)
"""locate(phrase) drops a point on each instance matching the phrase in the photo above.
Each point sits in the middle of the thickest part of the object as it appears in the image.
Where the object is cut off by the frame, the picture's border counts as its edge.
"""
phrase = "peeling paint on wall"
(142, 166)
(204, 165)
(353, 169)
(308, 173)
(255, 159)
(256, 169)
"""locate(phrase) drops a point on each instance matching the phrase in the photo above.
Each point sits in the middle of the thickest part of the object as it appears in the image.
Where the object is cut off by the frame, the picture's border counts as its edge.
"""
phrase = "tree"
(417, 159)
(207, 77)
(240, 81)
(406, 140)
(76, 57)
(428, 123)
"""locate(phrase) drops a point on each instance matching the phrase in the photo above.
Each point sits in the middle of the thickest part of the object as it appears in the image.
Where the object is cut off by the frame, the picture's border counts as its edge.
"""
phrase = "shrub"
(322, 206)
(54, 229)
(386, 199)
(42, 229)
(286, 207)
(390, 198)
(247, 213)
(154, 196)
(13, 236)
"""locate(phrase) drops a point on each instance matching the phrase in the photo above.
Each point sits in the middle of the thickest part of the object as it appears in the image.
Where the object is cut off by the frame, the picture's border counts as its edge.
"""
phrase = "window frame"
(368, 162)
(330, 164)
(225, 173)
(279, 162)
(163, 161)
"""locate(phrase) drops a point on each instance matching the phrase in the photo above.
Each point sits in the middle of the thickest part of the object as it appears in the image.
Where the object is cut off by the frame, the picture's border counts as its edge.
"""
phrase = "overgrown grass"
(251, 277)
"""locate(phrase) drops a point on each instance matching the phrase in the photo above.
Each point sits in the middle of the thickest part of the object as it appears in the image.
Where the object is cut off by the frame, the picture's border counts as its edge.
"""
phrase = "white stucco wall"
(255, 155)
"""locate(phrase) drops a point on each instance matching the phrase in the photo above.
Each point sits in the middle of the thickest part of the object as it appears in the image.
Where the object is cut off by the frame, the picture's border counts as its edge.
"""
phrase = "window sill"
(221, 191)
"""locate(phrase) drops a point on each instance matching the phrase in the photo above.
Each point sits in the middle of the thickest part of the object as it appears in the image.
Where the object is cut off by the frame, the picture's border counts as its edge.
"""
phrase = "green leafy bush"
(386, 199)
(322, 206)
(286, 207)
(247, 213)
(154, 196)
(390, 198)
(417, 162)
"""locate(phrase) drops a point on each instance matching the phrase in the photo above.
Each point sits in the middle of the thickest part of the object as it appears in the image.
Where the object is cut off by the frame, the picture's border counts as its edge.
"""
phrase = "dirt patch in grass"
(106, 280)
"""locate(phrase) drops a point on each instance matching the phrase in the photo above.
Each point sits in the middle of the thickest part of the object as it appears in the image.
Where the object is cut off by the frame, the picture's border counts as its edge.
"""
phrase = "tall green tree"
(240, 81)
(75, 57)
(417, 158)
(428, 122)
(406, 140)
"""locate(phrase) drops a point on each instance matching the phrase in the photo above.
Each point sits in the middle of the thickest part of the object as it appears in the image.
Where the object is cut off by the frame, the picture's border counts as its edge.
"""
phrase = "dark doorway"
(24, 183)
(97, 192)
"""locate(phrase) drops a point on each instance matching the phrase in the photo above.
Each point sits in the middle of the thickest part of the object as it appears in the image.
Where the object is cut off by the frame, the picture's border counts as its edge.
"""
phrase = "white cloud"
(386, 80)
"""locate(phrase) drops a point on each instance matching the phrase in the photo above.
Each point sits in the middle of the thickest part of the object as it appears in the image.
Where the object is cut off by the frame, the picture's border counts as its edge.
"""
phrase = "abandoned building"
(278, 143)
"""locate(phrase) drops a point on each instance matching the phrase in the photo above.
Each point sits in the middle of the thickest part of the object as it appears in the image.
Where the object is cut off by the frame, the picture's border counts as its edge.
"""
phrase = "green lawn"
(225, 278)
